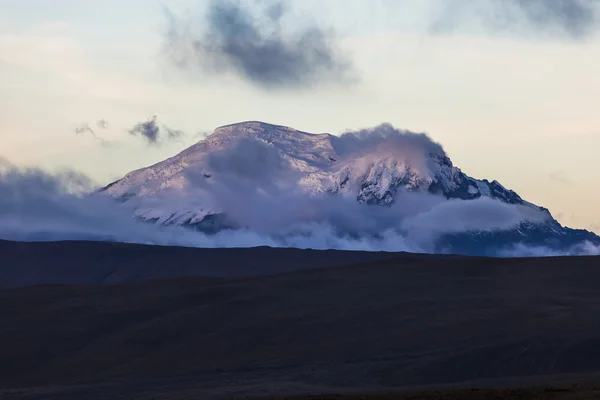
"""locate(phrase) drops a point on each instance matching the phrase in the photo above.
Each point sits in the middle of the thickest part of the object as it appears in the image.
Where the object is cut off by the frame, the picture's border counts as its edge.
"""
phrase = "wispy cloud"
(573, 19)
(173, 133)
(560, 177)
(202, 135)
(256, 47)
(520, 250)
(102, 124)
(84, 128)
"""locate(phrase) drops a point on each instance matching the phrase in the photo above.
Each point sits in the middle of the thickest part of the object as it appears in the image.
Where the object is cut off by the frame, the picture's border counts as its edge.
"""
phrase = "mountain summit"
(376, 168)
(371, 165)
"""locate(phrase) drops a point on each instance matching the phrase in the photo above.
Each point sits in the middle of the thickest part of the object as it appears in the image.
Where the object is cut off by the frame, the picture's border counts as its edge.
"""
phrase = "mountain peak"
(259, 129)
(251, 124)
(373, 166)
(244, 172)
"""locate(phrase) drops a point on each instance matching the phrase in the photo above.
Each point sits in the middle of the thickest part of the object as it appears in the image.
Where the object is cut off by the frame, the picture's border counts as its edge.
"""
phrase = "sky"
(508, 87)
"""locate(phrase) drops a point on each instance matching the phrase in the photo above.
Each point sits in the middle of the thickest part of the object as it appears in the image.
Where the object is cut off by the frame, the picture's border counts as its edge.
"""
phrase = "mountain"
(201, 186)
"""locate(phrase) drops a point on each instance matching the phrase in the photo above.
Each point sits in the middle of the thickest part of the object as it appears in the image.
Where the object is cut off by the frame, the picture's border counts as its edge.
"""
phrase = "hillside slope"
(379, 326)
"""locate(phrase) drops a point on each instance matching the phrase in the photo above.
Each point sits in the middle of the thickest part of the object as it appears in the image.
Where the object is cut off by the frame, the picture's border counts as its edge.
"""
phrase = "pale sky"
(517, 106)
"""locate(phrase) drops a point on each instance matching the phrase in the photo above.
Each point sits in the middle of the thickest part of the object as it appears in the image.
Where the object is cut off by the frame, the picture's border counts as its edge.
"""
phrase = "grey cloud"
(256, 48)
(388, 136)
(36, 205)
(148, 130)
(252, 192)
(413, 147)
(267, 214)
(153, 133)
(102, 124)
(250, 170)
(575, 19)
(85, 128)
(413, 223)
(174, 133)
(248, 159)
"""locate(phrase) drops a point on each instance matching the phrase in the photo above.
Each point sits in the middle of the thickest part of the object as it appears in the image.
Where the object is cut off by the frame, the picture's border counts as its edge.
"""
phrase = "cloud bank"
(249, 41)
(256, 192)
(263, 206)
(35, 205)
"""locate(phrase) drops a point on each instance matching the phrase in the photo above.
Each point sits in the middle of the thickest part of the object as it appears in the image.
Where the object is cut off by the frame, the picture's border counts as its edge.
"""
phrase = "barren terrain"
(393, 326)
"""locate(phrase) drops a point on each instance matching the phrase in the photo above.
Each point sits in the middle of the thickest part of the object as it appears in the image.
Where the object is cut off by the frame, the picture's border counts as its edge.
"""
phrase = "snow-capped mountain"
(373, 167)
(316, 163)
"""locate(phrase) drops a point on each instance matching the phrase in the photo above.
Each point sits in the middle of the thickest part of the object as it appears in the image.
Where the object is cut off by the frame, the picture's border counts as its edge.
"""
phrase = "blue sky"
(518, 106)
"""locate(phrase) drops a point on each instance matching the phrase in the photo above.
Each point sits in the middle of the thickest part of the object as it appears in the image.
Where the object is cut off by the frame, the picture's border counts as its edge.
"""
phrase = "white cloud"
(35, 205)
(521, 250)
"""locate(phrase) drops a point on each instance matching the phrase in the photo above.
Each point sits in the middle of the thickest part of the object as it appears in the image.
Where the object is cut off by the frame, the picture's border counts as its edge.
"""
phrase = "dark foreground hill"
(82, 262)
(409, 323)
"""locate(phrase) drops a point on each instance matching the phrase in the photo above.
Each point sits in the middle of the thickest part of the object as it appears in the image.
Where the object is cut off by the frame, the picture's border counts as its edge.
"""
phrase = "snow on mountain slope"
(373, 166)
(378, 188)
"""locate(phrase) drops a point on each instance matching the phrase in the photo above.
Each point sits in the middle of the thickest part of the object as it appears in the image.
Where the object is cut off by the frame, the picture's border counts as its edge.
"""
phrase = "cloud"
(257, 192)
(202, 135)
(148, 130)
(153, 133)
(520, 250)
(249, 159)
(385, 136)
(102, 124)
(559, 177)
(457, 216)
(174, 133)
(36, 205)
(263, 206)
(85, 128)
(416, 220)
(257, 48)
(574, 19)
